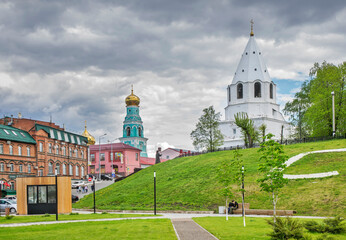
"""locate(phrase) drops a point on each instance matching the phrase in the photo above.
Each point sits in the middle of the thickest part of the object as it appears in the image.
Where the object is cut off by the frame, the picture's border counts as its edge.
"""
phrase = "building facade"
(117, 158)
(253, 92)
(171, 153)
(17, 156)
(54, 150)
(133, 131)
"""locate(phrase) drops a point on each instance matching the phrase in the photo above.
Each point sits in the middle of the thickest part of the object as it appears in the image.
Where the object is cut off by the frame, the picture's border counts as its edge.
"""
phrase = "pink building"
(123, 159)
(171, 153)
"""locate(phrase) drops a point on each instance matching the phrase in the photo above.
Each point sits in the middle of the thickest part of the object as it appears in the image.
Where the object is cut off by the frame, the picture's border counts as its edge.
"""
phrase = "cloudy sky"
(76, 60)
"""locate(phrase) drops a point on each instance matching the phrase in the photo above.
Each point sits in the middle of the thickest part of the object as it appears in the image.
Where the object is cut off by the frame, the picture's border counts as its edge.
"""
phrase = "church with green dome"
(133, 131)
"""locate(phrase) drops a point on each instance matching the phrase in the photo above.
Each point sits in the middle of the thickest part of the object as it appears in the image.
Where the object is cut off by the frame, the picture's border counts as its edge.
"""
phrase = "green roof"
(63, 135)
(8, 133)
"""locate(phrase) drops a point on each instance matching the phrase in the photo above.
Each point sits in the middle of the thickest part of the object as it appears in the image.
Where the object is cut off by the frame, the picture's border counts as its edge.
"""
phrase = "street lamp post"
(154, 193)
(243, 198)
(100, 154)
(56, 194)
(333, 113)
(112, 156)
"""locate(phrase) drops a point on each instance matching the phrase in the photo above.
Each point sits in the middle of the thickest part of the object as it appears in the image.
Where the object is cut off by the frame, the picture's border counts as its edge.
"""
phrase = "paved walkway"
(187, 229)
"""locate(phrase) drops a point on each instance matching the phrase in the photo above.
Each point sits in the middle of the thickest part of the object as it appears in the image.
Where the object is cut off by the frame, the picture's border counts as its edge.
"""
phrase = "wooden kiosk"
(38, 195)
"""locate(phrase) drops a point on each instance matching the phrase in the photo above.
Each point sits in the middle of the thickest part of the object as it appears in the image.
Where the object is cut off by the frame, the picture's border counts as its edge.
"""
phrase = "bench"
(269, 212)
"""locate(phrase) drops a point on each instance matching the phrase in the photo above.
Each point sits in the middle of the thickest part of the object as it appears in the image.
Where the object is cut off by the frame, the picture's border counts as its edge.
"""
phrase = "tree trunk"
(226, 209)
(274, 205)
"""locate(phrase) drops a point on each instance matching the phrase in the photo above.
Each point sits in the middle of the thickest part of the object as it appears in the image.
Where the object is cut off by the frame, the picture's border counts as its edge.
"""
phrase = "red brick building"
(17, 156)
(53, 148)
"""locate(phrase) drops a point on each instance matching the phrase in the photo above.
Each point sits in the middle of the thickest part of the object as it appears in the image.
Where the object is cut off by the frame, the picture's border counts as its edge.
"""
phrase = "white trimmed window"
(19, 150)
(50, 148)
(64, 169)
(77, 170)
(2, 167)
(1, 148)
(64, 151)
(41, 147)
(56, 149)
(21, 168)
(29, 168)
(50, 168)
(11, 150)
(28, 151)
(71, 170)
(57, 168)
(11, 167)
(82, 154)
(82, 171)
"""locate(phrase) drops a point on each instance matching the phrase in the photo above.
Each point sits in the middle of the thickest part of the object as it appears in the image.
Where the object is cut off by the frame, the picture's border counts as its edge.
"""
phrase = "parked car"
(76, 184)
(6, 203)
(75, 198)
(106, 177)
(13, 198)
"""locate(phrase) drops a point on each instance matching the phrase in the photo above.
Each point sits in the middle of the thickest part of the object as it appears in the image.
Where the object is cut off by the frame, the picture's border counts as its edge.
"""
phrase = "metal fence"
(257, 145)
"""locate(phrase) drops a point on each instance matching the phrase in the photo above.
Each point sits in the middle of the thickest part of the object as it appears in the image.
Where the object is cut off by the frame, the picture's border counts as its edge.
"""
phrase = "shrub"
(325, 237)
(46, 215)
(286, 228)
(104, 212)
(74, 213)
(334, 225)
(8, 217)
(313, 226)
(330, 225)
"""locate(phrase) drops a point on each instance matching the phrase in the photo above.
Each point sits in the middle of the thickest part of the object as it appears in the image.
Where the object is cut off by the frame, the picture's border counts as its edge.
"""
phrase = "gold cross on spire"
(85, 125)
(131, 88)
(252, 22)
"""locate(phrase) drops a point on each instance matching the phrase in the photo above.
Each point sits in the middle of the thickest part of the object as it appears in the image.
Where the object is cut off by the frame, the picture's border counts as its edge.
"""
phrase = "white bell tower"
(252, 91)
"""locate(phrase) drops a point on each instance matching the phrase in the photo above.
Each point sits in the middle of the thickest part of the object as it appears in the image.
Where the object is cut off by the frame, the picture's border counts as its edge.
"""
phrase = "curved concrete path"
(313, 175)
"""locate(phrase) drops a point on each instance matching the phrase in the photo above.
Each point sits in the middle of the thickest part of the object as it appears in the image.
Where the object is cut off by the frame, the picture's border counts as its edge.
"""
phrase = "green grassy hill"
(190, 183)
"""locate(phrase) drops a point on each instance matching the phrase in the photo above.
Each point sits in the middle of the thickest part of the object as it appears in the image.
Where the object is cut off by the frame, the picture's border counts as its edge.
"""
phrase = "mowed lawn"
(62, 217)
(256, 228)
(121, 229)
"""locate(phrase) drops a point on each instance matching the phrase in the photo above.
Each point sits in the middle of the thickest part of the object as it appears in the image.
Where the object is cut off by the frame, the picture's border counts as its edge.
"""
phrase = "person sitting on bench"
(232, 206)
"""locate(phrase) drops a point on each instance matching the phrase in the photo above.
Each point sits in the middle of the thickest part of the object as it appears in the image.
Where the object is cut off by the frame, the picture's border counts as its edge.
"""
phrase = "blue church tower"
(133, 133)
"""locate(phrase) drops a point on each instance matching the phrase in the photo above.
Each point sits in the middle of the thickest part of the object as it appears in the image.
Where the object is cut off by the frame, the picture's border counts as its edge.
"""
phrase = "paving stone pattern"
(187, 229)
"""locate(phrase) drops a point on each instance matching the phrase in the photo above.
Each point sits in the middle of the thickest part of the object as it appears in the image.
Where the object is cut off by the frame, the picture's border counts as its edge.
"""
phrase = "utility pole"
(333, 106)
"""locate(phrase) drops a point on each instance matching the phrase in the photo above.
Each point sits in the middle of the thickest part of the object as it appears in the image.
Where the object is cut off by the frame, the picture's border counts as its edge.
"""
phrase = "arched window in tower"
(257, 90)
(229, 93)
(140, 132)
(271, 91)
(128, 131)
(240, 91)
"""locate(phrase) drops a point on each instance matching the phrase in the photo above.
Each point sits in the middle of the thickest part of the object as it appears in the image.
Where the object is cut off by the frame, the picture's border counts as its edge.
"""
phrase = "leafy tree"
(296, 109)
(327, 78)
(230, 172)
(272, 164)
(311, 109)
(247, 127)
(207, 134)
(263, 129)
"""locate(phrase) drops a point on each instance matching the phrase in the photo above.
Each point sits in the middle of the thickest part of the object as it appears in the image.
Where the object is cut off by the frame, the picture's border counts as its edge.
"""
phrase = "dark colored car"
(106, 177)
(75, 198)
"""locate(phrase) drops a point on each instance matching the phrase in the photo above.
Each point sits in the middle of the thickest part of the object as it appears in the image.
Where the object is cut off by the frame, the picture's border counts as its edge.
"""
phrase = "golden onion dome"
(91, 139)
(132, 100)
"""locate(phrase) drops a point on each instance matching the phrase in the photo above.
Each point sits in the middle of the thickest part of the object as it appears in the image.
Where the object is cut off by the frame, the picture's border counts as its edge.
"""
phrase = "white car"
(76, 184)
(6, 203)
(13, 198)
